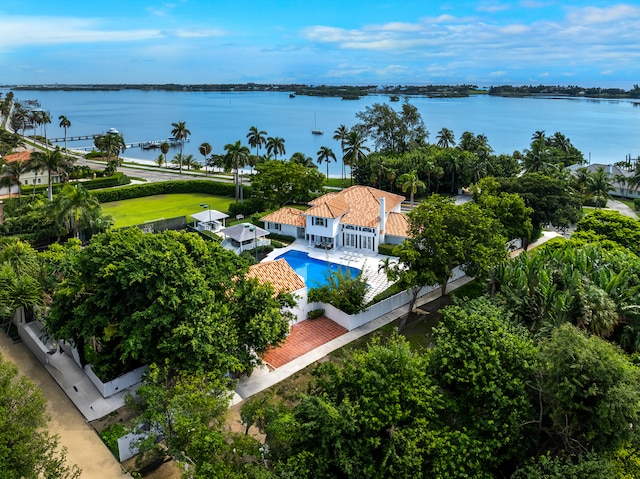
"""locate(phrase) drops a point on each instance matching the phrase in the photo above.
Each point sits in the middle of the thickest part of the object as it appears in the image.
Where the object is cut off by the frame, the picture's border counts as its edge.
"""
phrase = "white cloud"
(595, 15)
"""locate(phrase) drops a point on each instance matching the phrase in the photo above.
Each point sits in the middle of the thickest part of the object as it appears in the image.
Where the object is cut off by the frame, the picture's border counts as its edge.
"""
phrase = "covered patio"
(244, 236)
(209, 220)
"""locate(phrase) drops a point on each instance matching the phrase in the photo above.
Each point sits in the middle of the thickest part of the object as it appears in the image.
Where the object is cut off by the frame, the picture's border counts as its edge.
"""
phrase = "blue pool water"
(314, 271)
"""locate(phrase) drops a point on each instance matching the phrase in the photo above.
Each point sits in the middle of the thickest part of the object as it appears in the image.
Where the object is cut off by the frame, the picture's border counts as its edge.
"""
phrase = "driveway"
(622, 208)
(85, 448)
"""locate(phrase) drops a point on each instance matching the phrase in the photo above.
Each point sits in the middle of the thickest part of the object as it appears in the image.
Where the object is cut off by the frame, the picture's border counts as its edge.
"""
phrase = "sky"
(334, 42)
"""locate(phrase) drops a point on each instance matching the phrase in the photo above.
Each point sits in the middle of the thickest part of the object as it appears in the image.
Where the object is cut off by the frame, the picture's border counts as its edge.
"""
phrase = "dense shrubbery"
(281, 238)
(168, 187)
(386, 248)
(118, 179)
(247, 207)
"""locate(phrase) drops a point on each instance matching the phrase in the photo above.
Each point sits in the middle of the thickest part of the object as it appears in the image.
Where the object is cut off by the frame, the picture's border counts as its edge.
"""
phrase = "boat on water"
(113, 131)
(316, 130)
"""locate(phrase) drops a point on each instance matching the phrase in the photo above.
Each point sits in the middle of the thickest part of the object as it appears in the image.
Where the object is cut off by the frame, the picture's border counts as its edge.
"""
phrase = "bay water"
(606, 131)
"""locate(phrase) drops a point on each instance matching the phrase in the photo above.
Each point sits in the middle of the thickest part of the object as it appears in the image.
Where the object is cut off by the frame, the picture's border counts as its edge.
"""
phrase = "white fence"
(116, 385)
(353, 321)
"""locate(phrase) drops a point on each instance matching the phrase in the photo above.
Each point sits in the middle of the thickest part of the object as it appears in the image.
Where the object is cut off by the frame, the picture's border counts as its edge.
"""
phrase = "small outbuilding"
(209, 220)
(244, 236)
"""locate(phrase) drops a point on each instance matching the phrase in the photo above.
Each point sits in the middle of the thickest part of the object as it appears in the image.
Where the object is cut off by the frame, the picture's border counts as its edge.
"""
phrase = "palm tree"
(275, 146)
(160, 160)
(44, 118)
(623, 181)
(538, 135)
(37, 162)
(64, 123)
(326, 154)
(11, 174)
(236, 157)
(164, 148)
(300, 158)
(256, 138)
(354, 151)
(205, 149)
(446, 138)
(71, 205)
(538, 158)
(341, 135)
(410, 182)
(52, 162)
(112, 144)
(598, 187)
(180, 133)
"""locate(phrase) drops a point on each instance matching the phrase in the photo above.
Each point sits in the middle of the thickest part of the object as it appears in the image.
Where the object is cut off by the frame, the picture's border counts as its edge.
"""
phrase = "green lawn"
(138, 210)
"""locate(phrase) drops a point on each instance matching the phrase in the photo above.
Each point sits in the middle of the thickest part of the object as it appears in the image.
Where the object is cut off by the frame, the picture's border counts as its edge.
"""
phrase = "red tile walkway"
(303, 337)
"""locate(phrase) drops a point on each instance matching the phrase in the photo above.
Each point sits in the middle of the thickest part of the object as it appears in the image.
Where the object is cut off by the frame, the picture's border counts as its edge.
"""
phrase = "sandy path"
(84, 446)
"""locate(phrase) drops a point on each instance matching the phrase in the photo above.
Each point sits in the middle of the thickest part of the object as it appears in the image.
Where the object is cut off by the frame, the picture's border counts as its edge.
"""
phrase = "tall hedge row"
(168, 187)
(117, 179)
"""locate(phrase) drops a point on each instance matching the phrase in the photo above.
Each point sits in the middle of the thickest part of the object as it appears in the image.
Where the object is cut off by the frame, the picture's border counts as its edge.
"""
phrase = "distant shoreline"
(354, 92)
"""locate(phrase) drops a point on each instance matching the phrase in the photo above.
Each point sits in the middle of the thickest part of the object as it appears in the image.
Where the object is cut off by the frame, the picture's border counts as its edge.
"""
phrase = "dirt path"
(85, 448)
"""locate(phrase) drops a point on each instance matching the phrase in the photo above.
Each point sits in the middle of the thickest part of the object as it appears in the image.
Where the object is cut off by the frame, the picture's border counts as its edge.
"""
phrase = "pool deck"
(368, 262)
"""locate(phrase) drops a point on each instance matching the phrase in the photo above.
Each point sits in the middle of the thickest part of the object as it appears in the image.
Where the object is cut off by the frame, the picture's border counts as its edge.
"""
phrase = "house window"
(319, 221)
(276, 226)
(26, 182)
(39, 180)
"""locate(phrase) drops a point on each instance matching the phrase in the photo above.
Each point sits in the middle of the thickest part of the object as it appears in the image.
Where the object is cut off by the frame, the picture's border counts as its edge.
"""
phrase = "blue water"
(315, 272)
(604, 130)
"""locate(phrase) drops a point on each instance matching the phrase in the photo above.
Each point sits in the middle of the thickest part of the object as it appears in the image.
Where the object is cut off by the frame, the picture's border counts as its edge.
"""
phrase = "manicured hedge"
(118, 179)
(168, 187)
(386, 248)
(281, 237)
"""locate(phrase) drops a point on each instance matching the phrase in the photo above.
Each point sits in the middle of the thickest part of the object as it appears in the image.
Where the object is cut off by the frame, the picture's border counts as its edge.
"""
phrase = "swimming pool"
(314, 271)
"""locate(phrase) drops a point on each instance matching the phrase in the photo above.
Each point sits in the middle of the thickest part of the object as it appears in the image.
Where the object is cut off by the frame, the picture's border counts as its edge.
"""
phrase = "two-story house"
(359, 217)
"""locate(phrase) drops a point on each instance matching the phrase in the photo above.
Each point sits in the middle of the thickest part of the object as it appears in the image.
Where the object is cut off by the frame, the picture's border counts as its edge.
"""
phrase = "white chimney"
(383, 215)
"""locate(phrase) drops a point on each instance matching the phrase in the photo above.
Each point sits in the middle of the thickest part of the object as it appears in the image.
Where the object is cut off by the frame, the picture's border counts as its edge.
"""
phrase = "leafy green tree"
(589, 392)
(26, 448)
(369, 418)
(391, 131)
(612, 226)
(344, 291)
(187, 412)
(444, 236)
(508, 208)
(135, 298)
(548, 466)
(283, 182)
(235, 158)
(483, 364)
(180, 133)
(326, 155)
(11, 174)
(552, 199)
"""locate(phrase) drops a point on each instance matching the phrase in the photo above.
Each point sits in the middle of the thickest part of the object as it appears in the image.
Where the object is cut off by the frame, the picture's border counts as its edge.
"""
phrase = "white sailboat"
(315, 130)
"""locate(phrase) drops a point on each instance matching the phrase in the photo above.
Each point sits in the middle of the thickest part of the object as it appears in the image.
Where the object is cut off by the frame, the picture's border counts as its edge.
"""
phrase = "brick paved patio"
(304, 337)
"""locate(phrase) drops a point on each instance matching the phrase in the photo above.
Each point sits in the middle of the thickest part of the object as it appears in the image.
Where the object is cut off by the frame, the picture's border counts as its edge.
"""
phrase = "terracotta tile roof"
(21, 157)
(324, 198)
(364, 202)
(281, 276)
(333, 206)
(397, 225)
(287, 216)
